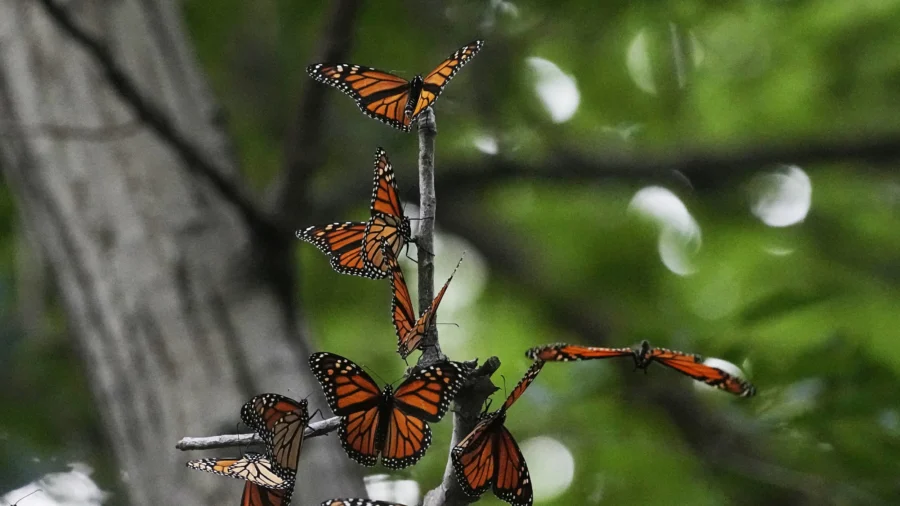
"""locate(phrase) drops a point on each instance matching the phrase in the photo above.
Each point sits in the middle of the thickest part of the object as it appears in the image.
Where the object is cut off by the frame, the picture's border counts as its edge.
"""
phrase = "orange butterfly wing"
(512, 482)
(252, 467)
(355, 397)
(410, 330)
(402, 310)
(520, 388)
(255, 495)
(473, 457)
(693, 366)
(423, 397)
(378, 94)
(561, 352)
(343, 243)
(387, 223)
(434, 83)
(280, 421)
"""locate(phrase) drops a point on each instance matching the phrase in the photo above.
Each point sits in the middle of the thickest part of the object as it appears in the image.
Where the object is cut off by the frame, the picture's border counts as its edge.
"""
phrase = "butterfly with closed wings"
(389, 98)
(393, 423)
(490, 456)
(410, 330)
(355, 247)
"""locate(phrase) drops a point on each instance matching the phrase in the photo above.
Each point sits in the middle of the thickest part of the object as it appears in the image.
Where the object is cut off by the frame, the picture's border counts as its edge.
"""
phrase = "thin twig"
(227, 440)
(431, 348)
(159, 122)
(702, 166)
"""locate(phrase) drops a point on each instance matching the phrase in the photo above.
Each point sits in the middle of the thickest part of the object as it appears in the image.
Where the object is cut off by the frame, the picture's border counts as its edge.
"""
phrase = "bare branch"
(159, 122)
(303, 152)
(431, 348)
(228, 440)
(702, 166)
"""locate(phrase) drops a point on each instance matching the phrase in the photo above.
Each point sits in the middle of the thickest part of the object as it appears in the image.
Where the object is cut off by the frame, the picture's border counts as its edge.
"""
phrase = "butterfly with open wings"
(392, 423)
(355, 247)
(644, 355)
(489, 455)
(389, 98)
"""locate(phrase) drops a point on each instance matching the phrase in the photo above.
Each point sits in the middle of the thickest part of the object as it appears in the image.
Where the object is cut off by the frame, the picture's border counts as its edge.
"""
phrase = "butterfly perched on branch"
(280, 422)
(355, 247)
(389, 422)
(410, 330)
(389, 98)
(644, 355)
(489, 455)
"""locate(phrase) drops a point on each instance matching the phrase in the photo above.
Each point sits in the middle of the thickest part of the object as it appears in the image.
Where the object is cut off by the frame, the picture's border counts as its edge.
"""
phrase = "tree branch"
(227, 440)
(303, 152)
(431, 348)
(469, 404)
(702, 166)
(154, 118)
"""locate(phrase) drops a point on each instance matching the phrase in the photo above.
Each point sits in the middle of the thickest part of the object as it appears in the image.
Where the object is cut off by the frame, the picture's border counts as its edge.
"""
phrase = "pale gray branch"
(228, 440)
(431, 348)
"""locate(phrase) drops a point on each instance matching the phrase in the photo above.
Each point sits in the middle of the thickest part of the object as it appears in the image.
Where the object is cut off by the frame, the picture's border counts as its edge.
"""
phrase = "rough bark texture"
(179, 313)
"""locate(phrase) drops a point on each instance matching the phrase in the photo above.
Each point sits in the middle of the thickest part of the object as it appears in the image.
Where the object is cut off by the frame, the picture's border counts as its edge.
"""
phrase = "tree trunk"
(179, 313)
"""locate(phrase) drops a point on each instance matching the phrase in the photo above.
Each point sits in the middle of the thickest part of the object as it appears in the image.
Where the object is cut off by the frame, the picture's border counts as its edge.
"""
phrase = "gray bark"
(179, 314)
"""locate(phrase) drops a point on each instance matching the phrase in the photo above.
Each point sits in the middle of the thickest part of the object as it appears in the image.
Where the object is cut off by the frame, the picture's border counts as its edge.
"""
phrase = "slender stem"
(227, 440)
(431, 349)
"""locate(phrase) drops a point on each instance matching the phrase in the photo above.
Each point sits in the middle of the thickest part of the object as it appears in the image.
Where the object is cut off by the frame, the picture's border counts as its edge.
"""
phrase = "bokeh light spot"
(551, 465)
(557, 90)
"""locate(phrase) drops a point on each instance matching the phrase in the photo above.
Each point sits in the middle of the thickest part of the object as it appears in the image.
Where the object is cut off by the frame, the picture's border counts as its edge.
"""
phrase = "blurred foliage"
(810, 311)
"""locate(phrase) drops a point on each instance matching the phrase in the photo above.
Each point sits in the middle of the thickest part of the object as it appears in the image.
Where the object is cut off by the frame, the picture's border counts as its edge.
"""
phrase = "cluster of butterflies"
(387, 423)
(393, 425)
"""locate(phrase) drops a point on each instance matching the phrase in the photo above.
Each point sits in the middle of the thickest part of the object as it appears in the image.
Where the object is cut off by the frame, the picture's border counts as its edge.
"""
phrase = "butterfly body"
(390, 98)
(388, 422)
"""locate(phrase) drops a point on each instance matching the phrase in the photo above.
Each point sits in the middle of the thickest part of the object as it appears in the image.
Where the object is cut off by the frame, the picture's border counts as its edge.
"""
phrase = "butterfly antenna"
(26, 495)
(367, 368)
(448, 323)
(504, 385)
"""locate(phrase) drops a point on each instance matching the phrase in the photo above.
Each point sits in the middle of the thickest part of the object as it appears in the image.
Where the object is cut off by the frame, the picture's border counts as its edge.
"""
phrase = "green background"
(553, 253)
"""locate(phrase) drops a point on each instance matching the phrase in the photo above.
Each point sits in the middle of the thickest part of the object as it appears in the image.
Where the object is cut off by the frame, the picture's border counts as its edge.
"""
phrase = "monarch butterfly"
(280, 421)
(255, 495)
(389, 98)
(357, 502)
(253, 467)
(392, 423)
(644, 355)
(355, 247)
(410, 330)
(490, 456)
(562, 352)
